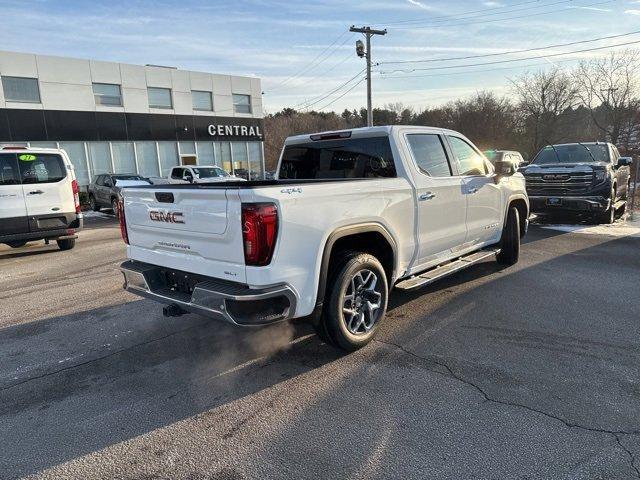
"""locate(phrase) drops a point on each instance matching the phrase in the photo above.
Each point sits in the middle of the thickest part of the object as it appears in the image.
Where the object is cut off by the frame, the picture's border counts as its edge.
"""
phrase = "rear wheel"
(357, 302)
(16, 244)
(510, 240)
(66, 244)
(92, 204)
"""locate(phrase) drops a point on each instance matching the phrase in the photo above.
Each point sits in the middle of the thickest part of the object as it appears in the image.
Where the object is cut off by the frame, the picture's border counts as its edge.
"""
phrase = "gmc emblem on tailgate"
(168, 217)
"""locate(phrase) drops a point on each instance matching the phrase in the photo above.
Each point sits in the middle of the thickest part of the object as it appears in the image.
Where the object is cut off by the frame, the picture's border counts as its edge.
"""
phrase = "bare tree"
(609, 87)
(543, 99)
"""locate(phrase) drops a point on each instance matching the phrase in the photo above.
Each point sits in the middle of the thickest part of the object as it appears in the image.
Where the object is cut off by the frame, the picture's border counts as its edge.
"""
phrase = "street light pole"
(368, 32)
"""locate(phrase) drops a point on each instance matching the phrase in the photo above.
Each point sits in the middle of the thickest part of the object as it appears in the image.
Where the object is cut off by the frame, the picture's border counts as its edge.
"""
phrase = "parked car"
(352, 214)
(38, 197)
(587, 178)
(200, 174)
(504, 156)
(104, 191)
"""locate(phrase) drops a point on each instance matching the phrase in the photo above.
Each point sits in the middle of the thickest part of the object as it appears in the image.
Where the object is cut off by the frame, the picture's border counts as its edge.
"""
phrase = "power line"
(312, 63)
(482, 13)
(322, 96)
(496, 62)
(549, 12)
(466, 72)
(429, 60)
(338, 98)
(501, 7)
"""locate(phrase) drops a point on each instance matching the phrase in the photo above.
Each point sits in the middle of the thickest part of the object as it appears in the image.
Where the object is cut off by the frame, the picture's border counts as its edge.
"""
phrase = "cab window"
(9, 174)
(41, 168)
(429, 153)
(470, 162)
(177, 173)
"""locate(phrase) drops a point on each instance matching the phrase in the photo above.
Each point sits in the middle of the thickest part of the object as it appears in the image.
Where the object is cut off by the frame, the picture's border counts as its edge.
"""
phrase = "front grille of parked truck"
(559, 184)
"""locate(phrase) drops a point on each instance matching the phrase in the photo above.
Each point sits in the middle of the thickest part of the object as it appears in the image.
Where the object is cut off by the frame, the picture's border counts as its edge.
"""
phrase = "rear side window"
(177, 173)
(9, 174)
(429, 153)
(344, 158)
(41, 168)
(470, 162)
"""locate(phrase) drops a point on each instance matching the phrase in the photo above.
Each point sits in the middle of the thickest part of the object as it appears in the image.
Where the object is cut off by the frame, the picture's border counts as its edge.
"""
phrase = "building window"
(20, 89)
(202, 100)
(107, 94)
(159, 97)
(241, 103)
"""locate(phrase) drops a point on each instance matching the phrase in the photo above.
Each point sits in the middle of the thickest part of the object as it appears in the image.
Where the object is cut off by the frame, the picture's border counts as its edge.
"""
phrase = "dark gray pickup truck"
(588, 178)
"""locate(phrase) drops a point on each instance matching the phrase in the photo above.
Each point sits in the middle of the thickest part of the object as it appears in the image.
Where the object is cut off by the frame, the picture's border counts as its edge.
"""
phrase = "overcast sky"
(285, 42)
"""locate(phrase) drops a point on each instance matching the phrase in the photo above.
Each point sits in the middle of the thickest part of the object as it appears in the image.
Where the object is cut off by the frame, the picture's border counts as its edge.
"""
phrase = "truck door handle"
(426, 196)
(473, 190)
(36, 192)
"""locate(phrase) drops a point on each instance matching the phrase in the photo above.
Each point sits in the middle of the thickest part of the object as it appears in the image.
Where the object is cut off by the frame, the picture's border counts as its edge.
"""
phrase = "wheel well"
(373, 243)
(521, 205)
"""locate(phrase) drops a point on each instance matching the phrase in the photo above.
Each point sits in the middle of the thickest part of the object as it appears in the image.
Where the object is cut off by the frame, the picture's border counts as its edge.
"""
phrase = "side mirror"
(504, 169)
(523, 163)
(189, 178)
(625, 161)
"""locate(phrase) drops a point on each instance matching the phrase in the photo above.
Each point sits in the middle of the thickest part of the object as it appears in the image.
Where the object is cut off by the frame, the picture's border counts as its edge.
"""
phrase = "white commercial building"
(122, 118)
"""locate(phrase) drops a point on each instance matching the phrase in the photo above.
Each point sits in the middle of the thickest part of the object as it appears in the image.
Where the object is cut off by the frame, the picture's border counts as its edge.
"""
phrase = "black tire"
(608, 216)
(16, 244)
(114, 206)
(352, 279)
(92, 204)
(66, 244)
(510, 240)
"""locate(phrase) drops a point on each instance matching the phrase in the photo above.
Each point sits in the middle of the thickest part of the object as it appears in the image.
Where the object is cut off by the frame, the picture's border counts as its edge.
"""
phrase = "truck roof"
(363, 132)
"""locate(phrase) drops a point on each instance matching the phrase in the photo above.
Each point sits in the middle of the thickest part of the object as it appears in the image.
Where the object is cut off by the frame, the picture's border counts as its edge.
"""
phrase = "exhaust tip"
(172, 310)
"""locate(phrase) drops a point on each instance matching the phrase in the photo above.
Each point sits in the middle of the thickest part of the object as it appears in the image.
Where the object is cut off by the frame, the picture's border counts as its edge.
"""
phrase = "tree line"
(599, 99)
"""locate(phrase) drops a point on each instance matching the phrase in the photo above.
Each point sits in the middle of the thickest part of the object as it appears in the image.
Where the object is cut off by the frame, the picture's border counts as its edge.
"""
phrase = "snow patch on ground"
(624, 227)
(92, 214)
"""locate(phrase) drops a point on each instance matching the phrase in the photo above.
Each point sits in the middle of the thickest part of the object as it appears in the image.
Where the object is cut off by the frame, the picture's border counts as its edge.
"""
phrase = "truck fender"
(342, 232)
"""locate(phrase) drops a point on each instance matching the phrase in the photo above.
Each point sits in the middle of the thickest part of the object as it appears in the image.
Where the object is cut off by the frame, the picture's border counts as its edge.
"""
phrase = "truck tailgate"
(195, 230)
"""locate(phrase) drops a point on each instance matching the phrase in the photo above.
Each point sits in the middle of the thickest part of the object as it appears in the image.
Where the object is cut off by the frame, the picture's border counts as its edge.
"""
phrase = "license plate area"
(554, 201)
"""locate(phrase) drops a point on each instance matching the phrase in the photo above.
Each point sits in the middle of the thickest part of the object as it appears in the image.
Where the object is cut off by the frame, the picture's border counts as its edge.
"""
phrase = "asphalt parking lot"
(528, 372)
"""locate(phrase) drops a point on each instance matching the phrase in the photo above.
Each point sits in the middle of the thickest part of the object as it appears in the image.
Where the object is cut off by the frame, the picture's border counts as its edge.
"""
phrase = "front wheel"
(114, 206)
(609, 216)
(510, 240)
(357, 302)
(66, 244)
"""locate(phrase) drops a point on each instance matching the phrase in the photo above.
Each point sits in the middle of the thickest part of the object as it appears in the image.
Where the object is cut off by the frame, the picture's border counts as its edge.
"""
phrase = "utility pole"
(368, 32)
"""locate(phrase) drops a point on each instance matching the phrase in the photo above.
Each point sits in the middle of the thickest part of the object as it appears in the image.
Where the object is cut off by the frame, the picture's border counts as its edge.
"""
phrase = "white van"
(38, 197)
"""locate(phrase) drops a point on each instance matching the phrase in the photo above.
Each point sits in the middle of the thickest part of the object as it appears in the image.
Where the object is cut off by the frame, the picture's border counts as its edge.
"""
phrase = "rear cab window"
(41, 168)
(9, 172)
(369, 157)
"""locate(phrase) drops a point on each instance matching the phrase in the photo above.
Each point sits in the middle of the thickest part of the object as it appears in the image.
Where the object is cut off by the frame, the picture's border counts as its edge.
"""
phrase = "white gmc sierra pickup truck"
(351, 215)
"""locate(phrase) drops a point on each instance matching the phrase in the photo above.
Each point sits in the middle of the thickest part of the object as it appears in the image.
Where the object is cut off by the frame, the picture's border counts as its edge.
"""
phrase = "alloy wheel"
(361, 307)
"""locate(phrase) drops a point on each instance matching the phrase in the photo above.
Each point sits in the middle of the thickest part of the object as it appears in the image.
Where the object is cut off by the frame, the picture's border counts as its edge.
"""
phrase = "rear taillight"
(259, 232)
(123, 222)
(76, 195)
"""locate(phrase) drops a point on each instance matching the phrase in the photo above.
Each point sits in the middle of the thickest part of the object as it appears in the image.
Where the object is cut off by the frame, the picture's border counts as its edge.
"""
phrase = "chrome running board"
(441, 271)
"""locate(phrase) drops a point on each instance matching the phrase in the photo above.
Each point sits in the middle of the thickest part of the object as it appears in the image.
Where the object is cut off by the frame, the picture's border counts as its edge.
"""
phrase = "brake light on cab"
(259, 232)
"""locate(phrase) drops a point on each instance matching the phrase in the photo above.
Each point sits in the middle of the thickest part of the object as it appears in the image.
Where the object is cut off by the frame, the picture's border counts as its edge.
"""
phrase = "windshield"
(573, 153)
(210, 172)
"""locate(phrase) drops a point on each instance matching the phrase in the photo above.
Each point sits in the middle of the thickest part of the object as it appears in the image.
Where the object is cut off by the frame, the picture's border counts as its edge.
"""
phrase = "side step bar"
(441, 271)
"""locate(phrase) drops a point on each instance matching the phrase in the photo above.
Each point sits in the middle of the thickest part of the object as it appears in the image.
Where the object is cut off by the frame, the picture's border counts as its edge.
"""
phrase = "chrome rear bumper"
(233, 302)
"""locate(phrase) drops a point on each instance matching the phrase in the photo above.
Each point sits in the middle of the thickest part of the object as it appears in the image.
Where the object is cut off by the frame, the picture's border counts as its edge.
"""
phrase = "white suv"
(38, 197)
